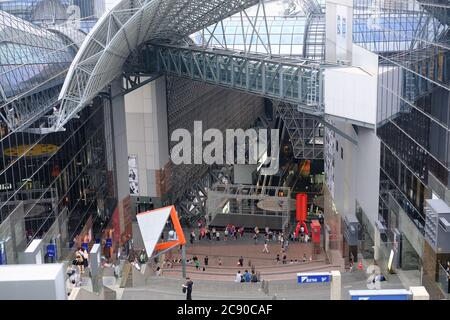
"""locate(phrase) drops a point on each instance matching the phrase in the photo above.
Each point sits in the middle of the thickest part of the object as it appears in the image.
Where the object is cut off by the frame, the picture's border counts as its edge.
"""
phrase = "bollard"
(419, 293)
(335, 286)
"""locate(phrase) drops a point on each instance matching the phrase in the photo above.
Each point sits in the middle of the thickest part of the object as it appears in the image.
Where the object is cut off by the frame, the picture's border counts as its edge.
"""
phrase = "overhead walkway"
(296, 81)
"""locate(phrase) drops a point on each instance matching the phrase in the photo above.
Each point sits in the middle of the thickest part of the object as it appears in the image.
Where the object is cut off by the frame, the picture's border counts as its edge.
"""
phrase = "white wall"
(368, 173)
(147, 132)
(338, 46)
(351, 92)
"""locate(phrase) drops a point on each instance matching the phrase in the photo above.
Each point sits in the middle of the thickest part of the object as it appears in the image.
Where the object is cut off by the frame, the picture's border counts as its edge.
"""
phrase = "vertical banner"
(2, 253)
(133, 177)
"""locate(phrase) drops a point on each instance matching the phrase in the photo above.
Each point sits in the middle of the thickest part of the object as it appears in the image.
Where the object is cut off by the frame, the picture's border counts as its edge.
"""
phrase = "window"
(344, 27)
(338, 24)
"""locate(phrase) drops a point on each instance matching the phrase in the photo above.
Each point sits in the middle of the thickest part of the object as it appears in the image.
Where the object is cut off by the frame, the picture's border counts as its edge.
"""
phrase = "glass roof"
(30, 56)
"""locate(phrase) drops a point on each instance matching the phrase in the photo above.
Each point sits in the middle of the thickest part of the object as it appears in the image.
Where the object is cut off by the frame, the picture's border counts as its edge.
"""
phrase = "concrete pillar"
(419, 293)
(336, 286)
(377, 244)
(95, 260)
(33, 254)
(183, 260)
(120, 140)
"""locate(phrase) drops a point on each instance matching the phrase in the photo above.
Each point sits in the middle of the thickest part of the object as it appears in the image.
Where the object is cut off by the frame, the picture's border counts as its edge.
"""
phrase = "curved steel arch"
(121, 31)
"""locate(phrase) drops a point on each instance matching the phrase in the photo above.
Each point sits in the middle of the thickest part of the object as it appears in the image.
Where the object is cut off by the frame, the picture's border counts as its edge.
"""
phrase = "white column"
(336, 286)
(377, 244)
(120, 140)
(419, 293)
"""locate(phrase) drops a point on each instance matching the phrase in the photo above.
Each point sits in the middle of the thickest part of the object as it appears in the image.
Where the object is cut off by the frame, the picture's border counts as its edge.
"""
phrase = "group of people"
(284, 259)
(246, 276)
(230, 232)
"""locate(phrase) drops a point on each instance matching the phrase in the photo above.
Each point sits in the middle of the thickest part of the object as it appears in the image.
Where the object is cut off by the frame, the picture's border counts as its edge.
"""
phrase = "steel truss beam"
(122, 31)
(22, 112)
(289, 80)
(192, 206)
(305, 131)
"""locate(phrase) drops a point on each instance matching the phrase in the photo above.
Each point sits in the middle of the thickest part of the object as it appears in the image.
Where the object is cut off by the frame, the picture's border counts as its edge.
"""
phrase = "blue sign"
(51, 251)
(386, 294)
(108, 243)
(382, 297)
(313, 278)
(85, 245)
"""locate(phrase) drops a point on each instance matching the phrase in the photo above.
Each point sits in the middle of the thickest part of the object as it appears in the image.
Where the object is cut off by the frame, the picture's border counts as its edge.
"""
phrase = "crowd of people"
(246, 276)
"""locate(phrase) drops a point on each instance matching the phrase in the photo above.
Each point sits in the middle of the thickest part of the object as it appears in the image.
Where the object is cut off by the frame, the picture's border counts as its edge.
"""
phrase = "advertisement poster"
(133, 175)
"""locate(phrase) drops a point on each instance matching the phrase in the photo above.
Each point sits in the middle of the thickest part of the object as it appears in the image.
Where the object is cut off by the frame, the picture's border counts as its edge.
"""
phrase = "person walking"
(206, 260)
(192, 237)
(266, 247)
(284, 258)
(187, 288)
(241, 261)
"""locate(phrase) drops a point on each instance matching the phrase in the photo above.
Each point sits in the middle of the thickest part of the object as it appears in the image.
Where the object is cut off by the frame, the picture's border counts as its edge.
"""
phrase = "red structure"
(301, 204)
(315, 231)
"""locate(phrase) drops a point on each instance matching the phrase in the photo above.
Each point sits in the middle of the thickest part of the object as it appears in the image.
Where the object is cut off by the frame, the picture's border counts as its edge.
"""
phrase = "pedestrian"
(143, 258)
(238, 277)
(254, 277)
(192, 238)
(187, 288)
(247, 276)
(218, 236)
(85, 254)
(241, 261)
(206, 261)
(284, 258)
(219, 262)
(197, 264)
(79, 259)
(266, 247)
(208, 234)
(255, 237)
(158, 271)
(304, 257)
(278, 258)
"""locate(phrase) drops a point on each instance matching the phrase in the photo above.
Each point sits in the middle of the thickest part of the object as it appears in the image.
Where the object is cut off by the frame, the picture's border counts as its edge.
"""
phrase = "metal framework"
(299, 31)
(33, 64)
(242, 200)
(123, 30)
(294, 81)
(305, 131)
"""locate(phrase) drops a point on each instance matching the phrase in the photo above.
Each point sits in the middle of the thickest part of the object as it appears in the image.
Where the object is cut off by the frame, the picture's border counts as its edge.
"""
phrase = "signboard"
(2, 253)
(400, 294)
(303, 278)
(108, 243)
(51, 251)
(133, 175)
